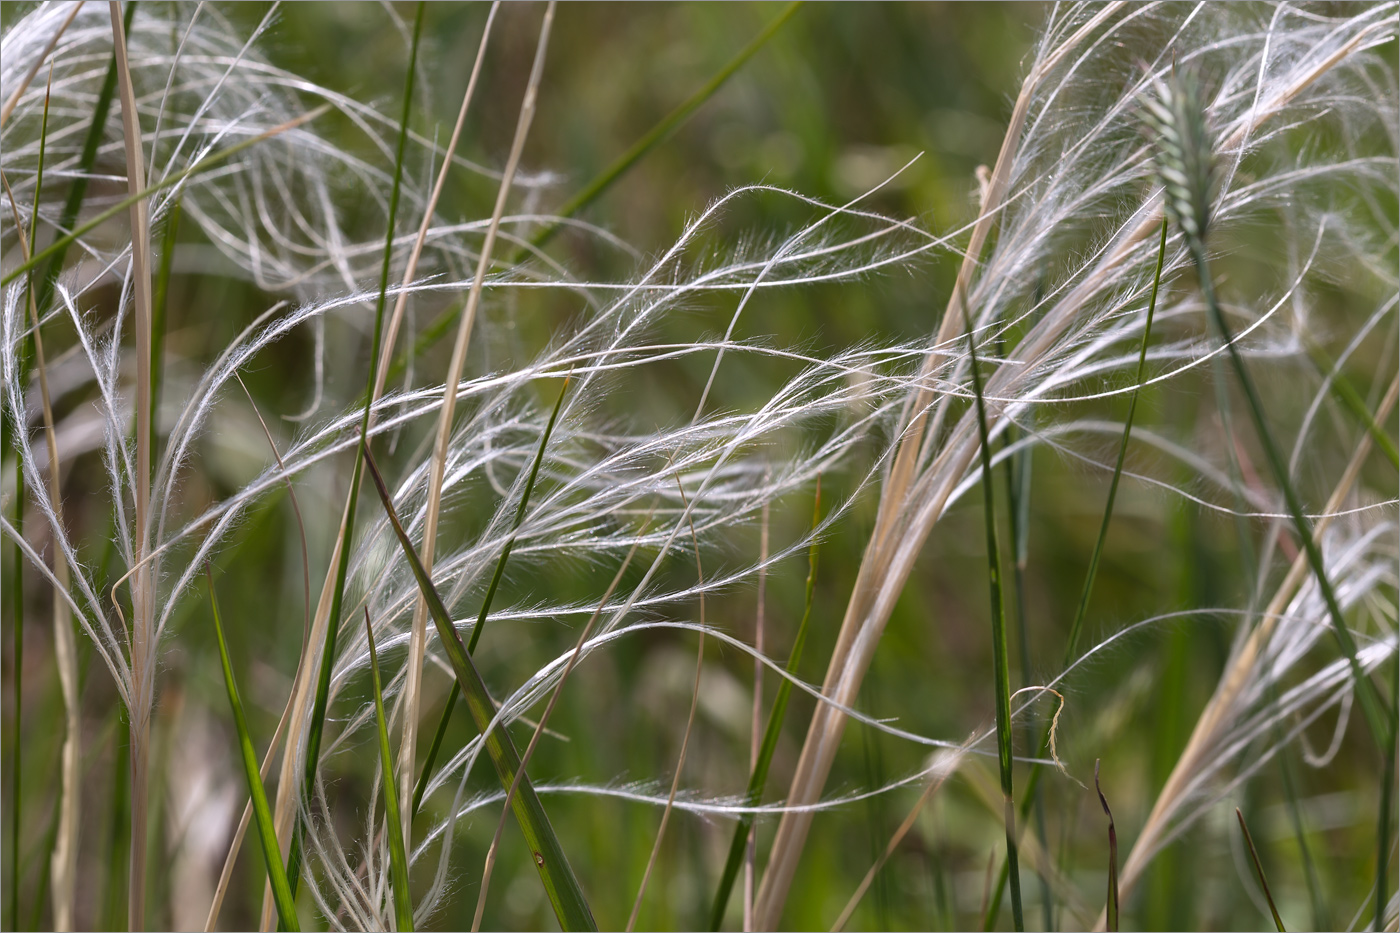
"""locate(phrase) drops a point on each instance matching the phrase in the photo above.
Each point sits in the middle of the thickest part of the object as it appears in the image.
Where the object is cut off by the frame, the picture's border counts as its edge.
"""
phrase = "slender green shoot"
(663, 130)
(421, 787)
(759, 776)
(1001, 663)
(272, 856)
(323, 681)
(1111, 909)
(561, 886)
(398, 862)
(1259, 870)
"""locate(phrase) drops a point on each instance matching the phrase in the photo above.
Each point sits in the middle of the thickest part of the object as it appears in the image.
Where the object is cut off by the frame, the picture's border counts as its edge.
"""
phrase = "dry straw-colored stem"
(143, 648)
(417, 645)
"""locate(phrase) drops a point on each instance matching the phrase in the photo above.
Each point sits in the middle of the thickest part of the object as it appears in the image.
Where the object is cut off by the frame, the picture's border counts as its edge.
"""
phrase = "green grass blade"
(398, 862)
(1111, 908)
(421, 787)
(1001, 663)
(272, 856)
(1259, 870)
(560, 884)
(1375, 709)
(323, 681)
(663, 130)
(759, 776)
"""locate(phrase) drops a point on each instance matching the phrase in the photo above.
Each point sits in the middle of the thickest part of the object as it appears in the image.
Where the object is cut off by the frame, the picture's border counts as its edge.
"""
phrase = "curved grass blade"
(1259, 870)
(398, 863)
(486, 601)
(272, 856)
(1001, 663)
(1112, 907)
(323, 681)
(759, 776)
(560, 884)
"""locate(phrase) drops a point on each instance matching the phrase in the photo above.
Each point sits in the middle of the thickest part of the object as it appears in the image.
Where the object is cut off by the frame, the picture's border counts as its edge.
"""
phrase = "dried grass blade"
(561, 886)
(398, 863)
(272, 855)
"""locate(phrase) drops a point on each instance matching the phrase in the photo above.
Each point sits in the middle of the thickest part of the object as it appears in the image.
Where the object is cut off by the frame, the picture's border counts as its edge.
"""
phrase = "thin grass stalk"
(1351, 400)
(1001, 662)
(143, 597)
(272, 853)
(417, 645)
(15, 583)
(544, 719)
(316, 724)
(662, 130)
(1111, 908)
(1082, 607)
(863, 622)
(1259, 870)
(113, 910)
(447, 413)
(426, 774)
(64, 857)
(398, 862)
(561, 886)
(758, 775)
(689, 724)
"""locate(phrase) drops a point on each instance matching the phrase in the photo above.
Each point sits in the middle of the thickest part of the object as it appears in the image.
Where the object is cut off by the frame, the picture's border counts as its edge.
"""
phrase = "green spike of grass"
(560, 884)
(759, 776)
(421, 787)
(398, 862)
(272, 856)
(323, 681)
(1259, 870)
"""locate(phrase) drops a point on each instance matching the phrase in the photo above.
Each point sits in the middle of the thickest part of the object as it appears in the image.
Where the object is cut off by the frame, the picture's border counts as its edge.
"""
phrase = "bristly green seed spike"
(398, 862)
(759, 777)
(560, 884)
(267, 835)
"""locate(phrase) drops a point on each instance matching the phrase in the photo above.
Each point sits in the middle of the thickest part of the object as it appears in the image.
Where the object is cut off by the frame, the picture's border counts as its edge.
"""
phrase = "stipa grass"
(238, 222)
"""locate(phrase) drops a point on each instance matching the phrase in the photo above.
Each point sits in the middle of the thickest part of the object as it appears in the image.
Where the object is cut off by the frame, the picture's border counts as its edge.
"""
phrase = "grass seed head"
(1183, 153)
